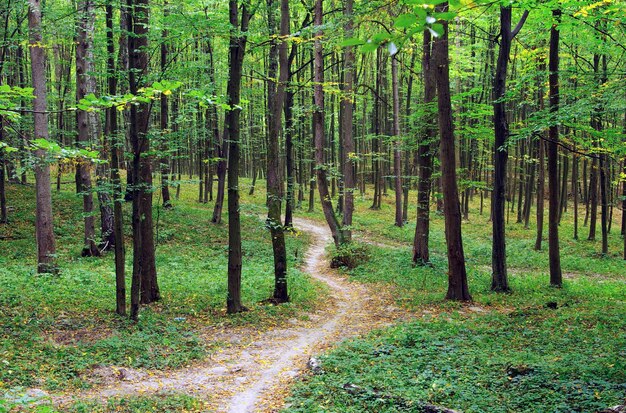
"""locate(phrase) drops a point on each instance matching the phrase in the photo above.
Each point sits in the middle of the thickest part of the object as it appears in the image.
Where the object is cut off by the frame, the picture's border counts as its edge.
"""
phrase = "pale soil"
(253, 372)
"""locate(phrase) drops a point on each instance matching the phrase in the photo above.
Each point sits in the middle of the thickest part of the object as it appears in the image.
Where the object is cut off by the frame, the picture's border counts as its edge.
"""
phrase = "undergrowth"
(539, 349)
(55, 329)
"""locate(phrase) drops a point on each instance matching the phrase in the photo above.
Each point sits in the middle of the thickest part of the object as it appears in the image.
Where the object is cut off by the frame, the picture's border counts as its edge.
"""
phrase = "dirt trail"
(253, 374)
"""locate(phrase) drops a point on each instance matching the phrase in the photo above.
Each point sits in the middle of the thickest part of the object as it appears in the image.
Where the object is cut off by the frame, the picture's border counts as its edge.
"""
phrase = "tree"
(457, 275)
(397, 153)
(347, 140)
(85, 84)
(239, 29)
(165, 166)
(499, 281)
(111, 130)
(276, 95)
(46, 248)
(144, 288)
(421, 254)
(556, 277)
(318, 128)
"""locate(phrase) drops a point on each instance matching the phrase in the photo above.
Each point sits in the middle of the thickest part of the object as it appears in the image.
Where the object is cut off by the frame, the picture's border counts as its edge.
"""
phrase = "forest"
(313, 206)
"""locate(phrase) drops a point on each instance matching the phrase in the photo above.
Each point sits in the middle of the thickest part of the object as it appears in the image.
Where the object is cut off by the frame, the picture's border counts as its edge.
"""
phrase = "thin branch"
(519, 26)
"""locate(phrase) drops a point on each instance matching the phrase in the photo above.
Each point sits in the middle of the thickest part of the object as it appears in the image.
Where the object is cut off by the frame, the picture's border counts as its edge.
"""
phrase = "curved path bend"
(253, 374)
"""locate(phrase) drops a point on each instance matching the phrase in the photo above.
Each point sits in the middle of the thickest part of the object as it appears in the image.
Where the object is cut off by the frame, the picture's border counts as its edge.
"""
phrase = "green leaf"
(405, 21)
(369, 47)
(352, 42)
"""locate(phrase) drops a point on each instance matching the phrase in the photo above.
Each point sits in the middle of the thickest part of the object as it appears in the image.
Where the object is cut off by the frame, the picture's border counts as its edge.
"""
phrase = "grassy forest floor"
(539, 349)
(502, 353)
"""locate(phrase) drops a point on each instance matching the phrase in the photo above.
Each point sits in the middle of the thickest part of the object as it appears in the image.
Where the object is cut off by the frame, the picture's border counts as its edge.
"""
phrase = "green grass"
(508, 353)
(55, 328)
(165, 403)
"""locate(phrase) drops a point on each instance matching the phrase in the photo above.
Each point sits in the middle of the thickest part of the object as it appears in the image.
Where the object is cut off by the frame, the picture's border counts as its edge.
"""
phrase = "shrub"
(349, 255)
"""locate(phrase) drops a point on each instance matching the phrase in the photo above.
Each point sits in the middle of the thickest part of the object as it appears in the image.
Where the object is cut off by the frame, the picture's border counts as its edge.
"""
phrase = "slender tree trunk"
(144, 267)
(575, 191)
(397, 154)
(556, 278)
(84, 59)
(276, 94)
(604, 204)
(499, 280)
(111, 131)
(318, 125)
(235, 63)
(457, 275)
(221, 148)
(421, 254)
(593, 199)
(564, 174)
(164, 161)
(46, 248)
(3, 196)
(347, 163)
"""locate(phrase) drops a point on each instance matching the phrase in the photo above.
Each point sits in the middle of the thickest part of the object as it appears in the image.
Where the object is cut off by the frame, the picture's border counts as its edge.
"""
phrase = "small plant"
(349, 255)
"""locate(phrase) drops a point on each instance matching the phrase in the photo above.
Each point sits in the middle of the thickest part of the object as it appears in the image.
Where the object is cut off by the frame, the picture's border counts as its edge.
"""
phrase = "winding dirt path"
(253, 374)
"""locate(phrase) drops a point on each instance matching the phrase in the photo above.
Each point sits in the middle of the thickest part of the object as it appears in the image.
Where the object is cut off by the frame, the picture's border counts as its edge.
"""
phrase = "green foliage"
(10, 97)
(167, 403)
(92, 103)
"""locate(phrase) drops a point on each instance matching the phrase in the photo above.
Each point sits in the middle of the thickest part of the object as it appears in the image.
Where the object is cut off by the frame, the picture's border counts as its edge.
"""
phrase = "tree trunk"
(397, 154)
(164, 162)
(457, 275)
(235, 63)
(46, 248)
(318, 125)
(347, 140)
(111, 131)
(144, 267)
(556, 278)
(221, 148)
(421, 253)
(593, 199)
(276, 94)
(499, 280)
(84, 68)
(3, 196)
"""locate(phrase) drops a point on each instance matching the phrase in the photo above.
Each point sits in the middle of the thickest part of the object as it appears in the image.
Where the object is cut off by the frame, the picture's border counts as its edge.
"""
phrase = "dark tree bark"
(238, 39)
(541, 180)
(556, 277)
(84, 59)
(347, 140)
(144, 287)
(165, 163)
(276, 95)
(575, 191)
(3, 196)
(421, 255)
(457, 275)
(499, 280)
(593, 199)
(221, 149)
(318, 126)
(111, 131)
(397, 153)
(46, 248)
